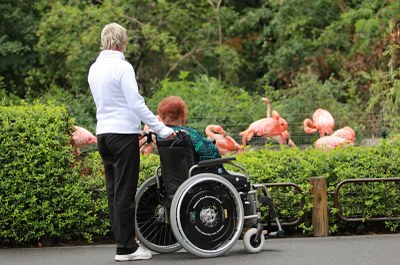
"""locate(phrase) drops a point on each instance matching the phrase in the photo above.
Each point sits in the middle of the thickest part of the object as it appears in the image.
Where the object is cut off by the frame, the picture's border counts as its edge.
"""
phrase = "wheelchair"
(199, 205)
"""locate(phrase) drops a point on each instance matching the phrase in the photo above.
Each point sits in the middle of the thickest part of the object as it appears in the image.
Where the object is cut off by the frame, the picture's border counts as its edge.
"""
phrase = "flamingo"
(346, 133)
(322, 122)
(83, 137)
(284, 137)
(266, 127)
(223, 142)
(147, 148)
(330, 142)
(341, 137)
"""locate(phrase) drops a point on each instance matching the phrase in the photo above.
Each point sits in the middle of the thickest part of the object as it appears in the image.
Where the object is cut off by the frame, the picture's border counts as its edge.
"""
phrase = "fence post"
(319, 195)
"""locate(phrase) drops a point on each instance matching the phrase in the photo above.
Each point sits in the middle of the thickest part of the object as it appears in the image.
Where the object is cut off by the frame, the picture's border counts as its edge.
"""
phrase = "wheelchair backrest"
(176, 157)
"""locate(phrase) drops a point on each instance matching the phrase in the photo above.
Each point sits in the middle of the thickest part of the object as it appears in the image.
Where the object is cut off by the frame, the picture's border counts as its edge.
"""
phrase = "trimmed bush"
(45, 191)
(356, 200)
(41, 191)
(362, 200)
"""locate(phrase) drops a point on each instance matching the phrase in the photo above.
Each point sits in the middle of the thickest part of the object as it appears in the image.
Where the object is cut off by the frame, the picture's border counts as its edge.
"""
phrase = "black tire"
(151, 228)
(207, 215)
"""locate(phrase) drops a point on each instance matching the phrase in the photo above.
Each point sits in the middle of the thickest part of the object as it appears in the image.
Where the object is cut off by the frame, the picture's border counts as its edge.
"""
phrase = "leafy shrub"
(80, 106)
(356, 200)
(41, 191)
(92, 166)
(47, 192)
(297, 166)
(7, 99)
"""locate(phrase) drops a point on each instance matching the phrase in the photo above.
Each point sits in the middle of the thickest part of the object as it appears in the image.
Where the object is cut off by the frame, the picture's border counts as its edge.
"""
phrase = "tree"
(69, 40)
(259, 45)
(165, 38)
(279, 39)
(170, 39)
(18, 25)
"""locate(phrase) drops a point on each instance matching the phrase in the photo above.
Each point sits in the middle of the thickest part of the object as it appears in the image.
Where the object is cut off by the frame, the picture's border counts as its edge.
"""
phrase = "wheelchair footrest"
(276, 234)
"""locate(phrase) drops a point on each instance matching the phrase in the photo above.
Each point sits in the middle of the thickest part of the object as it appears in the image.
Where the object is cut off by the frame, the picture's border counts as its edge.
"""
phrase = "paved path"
(365, 250)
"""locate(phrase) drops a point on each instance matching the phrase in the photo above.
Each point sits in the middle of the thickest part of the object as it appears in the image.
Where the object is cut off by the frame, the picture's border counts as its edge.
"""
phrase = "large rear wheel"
(151, 227)
(207, 215)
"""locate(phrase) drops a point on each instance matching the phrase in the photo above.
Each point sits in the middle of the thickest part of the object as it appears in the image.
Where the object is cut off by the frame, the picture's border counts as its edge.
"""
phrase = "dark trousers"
(121, 158)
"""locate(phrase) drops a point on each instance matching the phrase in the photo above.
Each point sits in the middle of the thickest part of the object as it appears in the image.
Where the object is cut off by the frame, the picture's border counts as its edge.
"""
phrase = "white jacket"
(120, 107)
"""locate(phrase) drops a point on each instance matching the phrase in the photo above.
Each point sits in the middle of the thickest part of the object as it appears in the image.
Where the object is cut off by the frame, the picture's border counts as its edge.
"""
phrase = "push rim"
(207, 215)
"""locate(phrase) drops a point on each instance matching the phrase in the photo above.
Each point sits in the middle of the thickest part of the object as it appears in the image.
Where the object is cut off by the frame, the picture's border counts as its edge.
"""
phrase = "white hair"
(113, 37)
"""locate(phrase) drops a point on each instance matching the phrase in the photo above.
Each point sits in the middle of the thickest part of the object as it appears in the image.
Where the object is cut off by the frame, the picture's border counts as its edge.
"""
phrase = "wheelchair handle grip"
(149, 137)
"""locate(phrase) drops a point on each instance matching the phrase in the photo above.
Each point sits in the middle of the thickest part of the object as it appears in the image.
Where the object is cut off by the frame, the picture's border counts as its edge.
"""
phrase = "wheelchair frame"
(207, 213)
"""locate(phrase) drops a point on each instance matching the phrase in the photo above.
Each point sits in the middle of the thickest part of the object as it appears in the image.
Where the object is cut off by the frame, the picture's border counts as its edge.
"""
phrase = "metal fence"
(369, 127)
(367, 196)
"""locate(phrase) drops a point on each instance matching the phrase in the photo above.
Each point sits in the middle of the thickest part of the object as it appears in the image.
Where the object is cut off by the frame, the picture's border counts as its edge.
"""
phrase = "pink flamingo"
(223, 142)
(284, 137)
(339, 138)
(346, 133)
(266, 127)
(83, 137)
(147, 148)
(322, 122)
(331, 142)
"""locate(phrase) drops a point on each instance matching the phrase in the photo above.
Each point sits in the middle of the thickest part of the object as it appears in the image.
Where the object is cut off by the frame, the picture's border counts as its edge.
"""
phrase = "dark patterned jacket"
(205, 149)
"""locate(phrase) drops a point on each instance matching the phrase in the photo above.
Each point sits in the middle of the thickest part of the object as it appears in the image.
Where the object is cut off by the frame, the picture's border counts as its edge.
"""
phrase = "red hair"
(172, 110)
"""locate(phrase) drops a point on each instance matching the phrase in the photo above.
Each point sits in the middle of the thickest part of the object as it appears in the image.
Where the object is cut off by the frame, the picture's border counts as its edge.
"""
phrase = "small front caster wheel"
(250, 243)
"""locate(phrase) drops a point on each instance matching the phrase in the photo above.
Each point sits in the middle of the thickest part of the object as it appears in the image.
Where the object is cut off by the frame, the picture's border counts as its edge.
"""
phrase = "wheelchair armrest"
(215, 162)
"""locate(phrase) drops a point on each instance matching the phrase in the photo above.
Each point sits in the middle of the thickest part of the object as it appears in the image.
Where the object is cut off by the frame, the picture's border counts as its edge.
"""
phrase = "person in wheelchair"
(194, 202)
(173, 112)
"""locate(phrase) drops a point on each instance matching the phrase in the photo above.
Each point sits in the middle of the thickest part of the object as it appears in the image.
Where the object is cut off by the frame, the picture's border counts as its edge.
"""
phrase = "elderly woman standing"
(119, 112)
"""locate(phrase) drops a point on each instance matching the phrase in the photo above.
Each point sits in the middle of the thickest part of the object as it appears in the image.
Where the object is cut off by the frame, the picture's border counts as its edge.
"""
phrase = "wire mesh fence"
(369, 128)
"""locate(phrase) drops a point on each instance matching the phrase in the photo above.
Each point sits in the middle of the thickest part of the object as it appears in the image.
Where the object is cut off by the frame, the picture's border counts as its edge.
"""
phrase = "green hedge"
(42, 194)
(298, 166)
(361, 200)
(45, 191)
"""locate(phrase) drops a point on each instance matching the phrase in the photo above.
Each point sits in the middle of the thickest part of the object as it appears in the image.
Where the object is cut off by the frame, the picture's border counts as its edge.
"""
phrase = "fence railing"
(298, 190)
(319, 196)
(362, 219)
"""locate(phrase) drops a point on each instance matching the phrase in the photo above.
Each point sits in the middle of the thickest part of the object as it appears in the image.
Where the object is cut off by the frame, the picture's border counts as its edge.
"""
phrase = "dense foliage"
(221, 56)
(292, 165)
(41, 191)
(210, 102)
(356, 200)
(49, 192)
(346, 52)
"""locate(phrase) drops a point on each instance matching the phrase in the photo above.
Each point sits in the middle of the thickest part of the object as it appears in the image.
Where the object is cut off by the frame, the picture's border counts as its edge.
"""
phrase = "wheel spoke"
(151, 228)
